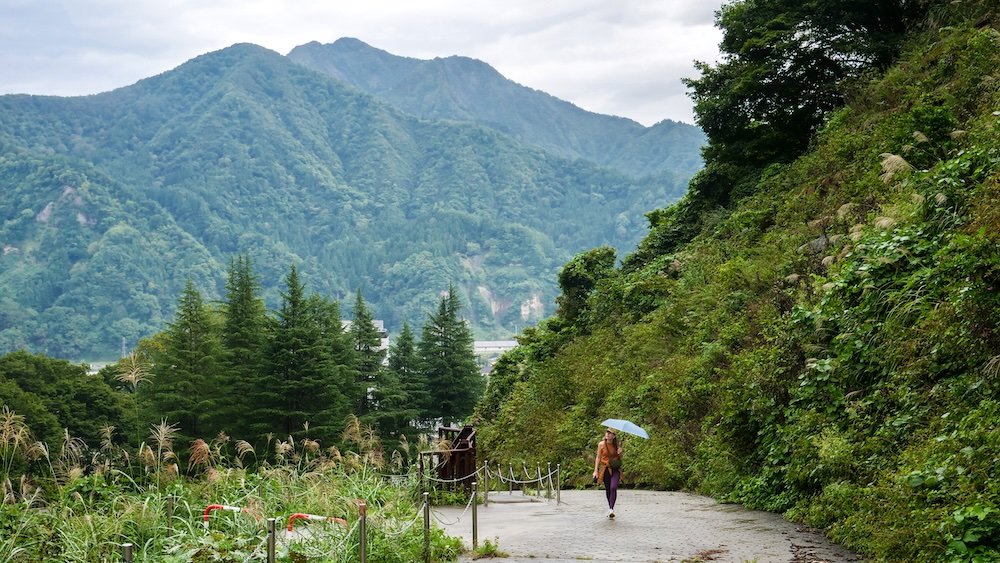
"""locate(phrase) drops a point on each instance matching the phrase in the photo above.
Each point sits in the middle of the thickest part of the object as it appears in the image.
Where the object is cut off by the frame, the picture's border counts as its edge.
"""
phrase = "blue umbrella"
(625, 426)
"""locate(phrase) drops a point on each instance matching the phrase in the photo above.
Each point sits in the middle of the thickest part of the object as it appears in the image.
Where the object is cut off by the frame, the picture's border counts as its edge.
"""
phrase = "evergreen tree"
(244, 338)
(401, 392)
(367, 345)
(343, 358)
(448, 362)
(405, 363)
(300, 386)
(184, 386)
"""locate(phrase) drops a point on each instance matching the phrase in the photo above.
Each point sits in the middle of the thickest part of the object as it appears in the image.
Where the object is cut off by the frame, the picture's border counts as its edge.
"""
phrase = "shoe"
(611, 513)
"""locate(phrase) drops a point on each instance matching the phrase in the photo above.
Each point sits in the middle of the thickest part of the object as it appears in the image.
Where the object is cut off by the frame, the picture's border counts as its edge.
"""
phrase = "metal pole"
(427, 528)
(475, 520)
(548, 485)
(558, 483)
(128, 552)
(170, 515)
(420, 455)
(270, 540)
(510, 466)
(538, 469)
(486, 491)
(363, 531)
(524, 486)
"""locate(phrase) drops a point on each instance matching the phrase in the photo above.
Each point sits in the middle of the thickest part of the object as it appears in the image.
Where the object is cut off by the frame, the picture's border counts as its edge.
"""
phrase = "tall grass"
(84, 508)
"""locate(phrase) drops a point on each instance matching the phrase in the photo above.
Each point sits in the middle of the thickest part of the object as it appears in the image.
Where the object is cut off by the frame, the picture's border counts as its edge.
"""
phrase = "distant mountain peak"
(347, 42)
(462, 88)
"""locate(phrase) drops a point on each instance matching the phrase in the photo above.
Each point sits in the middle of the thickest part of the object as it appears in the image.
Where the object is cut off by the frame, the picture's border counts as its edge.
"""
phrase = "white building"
(383, 334)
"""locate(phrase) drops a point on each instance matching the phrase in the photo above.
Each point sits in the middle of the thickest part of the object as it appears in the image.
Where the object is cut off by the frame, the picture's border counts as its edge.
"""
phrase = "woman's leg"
(607, 477)
(612, 487)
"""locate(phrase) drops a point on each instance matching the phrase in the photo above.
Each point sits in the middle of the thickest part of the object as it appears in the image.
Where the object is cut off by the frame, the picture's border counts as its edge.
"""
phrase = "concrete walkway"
(650, 526)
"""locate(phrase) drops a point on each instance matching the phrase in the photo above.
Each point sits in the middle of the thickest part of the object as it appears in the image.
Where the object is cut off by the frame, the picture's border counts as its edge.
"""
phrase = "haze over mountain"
(113, 201)
(460, 88)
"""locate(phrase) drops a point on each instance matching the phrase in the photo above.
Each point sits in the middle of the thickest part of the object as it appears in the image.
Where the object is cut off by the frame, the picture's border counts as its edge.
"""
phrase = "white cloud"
(623, 58)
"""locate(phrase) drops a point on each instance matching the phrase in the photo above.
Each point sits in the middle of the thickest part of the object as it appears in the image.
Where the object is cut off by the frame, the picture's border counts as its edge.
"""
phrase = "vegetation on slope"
(822, 341)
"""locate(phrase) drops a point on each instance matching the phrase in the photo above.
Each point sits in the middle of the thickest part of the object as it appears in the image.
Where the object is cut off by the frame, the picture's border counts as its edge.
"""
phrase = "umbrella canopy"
(625, 426)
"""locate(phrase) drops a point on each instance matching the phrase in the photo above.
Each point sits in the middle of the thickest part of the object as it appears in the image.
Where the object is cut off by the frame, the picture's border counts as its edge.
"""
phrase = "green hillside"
(464, 89)
(815, 328)
(113, 200)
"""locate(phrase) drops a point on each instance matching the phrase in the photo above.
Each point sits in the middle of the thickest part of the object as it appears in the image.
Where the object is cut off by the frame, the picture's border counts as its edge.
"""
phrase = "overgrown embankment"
(827, 347)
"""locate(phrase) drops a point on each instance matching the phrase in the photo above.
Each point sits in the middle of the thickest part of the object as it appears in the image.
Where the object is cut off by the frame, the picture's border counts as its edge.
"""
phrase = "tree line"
(238, 369)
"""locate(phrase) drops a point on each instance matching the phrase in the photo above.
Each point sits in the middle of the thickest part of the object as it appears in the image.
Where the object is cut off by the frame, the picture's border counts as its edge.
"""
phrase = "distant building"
(489, 350)
(493, 347)
(383, 334)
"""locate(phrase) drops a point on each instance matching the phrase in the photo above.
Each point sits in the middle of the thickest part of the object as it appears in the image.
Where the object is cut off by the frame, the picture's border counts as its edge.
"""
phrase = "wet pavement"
(650, 526)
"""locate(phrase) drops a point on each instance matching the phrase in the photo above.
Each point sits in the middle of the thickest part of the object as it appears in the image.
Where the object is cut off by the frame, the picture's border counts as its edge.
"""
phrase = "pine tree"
(463, 362)
(433, 364)
(448, 362)
(184, 384)
(343, 358)
(244, 338)
(367, 345)
(301, 379)
(404, 362)
(401, 392)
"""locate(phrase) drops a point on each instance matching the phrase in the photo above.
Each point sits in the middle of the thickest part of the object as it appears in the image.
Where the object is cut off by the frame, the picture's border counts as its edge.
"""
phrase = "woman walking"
(608, 467)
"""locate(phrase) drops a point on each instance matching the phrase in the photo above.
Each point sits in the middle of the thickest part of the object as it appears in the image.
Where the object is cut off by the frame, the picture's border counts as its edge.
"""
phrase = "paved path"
(651, 526)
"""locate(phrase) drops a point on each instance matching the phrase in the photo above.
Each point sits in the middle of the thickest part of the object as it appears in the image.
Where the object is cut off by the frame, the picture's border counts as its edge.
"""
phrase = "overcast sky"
(619, 57)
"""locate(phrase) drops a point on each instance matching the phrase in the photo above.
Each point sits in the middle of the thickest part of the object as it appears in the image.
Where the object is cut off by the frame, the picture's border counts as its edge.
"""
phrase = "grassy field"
(80, 504)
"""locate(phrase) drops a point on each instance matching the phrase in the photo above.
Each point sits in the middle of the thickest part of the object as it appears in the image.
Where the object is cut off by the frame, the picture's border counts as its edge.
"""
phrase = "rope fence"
(267, 548)
(462, 515)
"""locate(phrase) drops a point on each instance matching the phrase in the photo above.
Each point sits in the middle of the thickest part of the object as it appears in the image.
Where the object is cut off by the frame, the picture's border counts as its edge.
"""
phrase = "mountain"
(112, 201)
(464, 89)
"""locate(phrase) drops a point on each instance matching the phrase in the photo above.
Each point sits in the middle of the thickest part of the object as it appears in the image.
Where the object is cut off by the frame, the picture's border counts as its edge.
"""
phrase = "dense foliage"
(264, 410)
(785, 65)
(464, 89)
(823, 345)
(111, 201)
(60, 398)
(304, 379)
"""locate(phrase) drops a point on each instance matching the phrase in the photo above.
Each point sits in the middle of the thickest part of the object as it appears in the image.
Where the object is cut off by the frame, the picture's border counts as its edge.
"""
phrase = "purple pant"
(611, 479)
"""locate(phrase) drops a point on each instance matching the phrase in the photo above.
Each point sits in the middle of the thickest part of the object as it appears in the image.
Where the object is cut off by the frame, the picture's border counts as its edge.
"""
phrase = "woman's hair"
(614, 441)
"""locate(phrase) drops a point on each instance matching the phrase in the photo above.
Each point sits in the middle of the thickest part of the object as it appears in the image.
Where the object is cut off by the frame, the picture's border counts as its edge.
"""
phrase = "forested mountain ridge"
(814, 329)
(112, 200)
(460, 88)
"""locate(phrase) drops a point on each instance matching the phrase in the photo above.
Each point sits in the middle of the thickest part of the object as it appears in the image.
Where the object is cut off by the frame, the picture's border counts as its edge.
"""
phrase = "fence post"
(475, 520)
(363, 530)
(558, 483)
(427, 527)
(524, 486)
(170, 515)
(538, 469)
(420, 465)
(270, 540)
(128, 552)
(486, 491)
(548, 486)
(510, 467)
